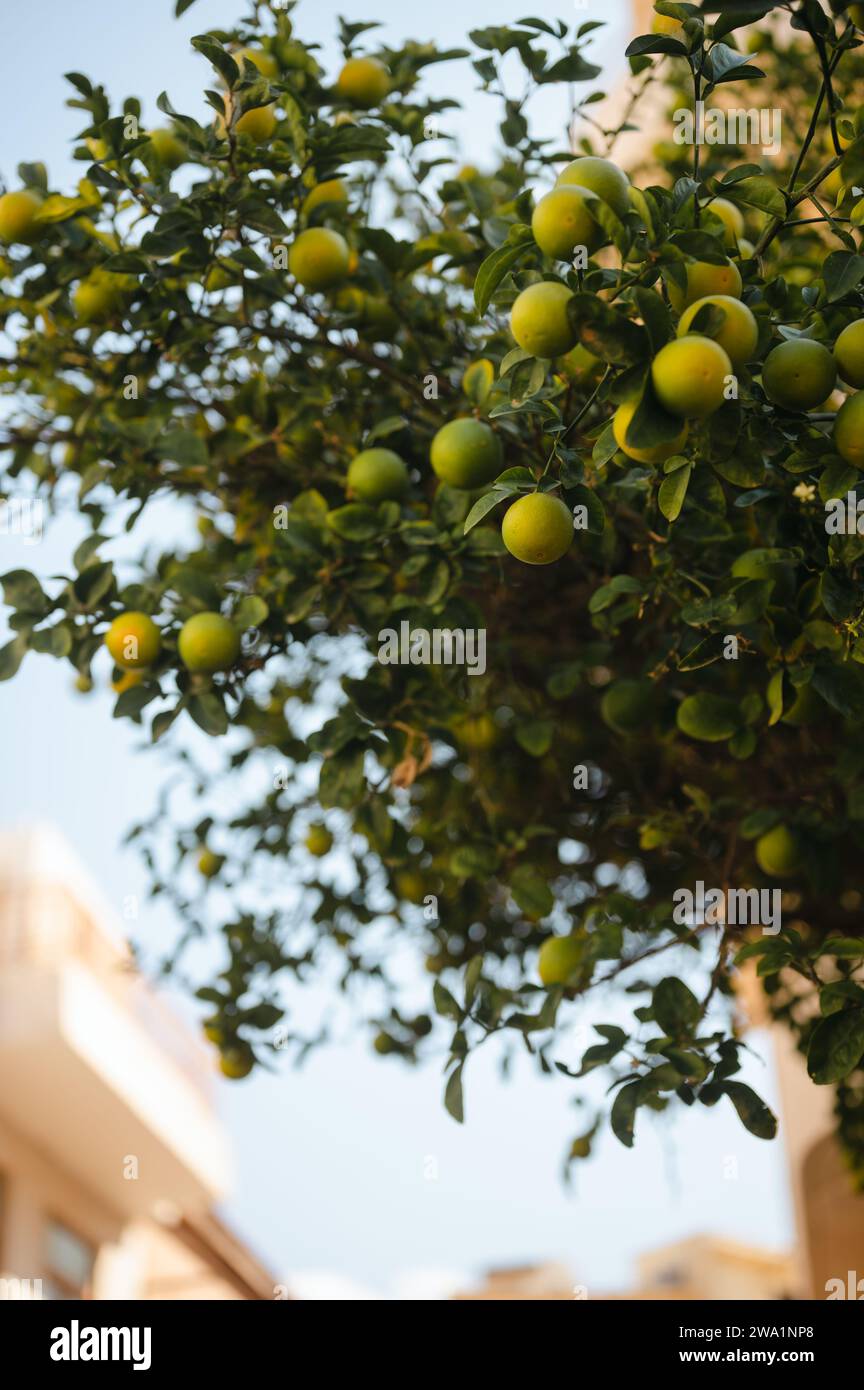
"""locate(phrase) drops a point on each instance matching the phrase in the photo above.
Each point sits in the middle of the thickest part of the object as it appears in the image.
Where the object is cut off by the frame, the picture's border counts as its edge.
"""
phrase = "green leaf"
(752, 1111)
(759, 192)
(11, 656)
(183, 447)
(842, 272)
(22, 590)
(208, 711)
(606, 332)
(218, 56)
(355, 522)
(535, 736)
(836, 1047)
(531, 892)
(474, 861)
(493, 270)
(182, 6)
(708, 717)
(623, 1114)
(672, 491)
(595, 516)
(453, 1099)
(485, 504)
(445, 1004)
(93, 583)
(675, 1007)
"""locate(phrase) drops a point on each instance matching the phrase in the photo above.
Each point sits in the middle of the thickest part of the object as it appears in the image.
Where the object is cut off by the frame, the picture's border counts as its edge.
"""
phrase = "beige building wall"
(112, 1157)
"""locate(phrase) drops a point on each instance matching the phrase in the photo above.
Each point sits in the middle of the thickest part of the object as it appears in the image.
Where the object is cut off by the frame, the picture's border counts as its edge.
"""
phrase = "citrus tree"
(519, 608)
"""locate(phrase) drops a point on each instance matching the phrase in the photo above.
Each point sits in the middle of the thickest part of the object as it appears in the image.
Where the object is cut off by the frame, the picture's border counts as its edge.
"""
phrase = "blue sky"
(350, 1165)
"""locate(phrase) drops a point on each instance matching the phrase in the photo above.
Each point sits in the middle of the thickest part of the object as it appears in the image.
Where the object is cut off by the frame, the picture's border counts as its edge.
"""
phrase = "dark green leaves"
(842, 272)
(708, 717)
(752, 1111)
(606, 332)
(218, 56)
(495, 267)
(675, 1007)
(836, 1046)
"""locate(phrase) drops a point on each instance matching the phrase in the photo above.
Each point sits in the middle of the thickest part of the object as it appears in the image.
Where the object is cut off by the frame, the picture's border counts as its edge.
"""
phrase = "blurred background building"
(111, 1155)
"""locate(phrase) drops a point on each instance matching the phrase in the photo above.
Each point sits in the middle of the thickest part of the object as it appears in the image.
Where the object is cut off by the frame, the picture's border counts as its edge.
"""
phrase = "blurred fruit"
(127, 681)
(737, 335)
(100, 296)
(208, 642)
(656, 453)
(628, 705)
(209, 863)
(798, 374)
(602, 177)
(168, 150)
(849, 430)
(690, 376)
(580, 366)
(778, 852)
(539, 320)
(476, 732)
(134, 640)
(83, 684)
(258, 124)
(466, 453)
(265, 62)
(377, 475)
(18, 216)
(849, 353)
(559, 960)
(318, 258)
(330, 191)
(478, 379)
(562, 221)
(236, 1062)
(538, 529)
(363, 82)
(318, 840)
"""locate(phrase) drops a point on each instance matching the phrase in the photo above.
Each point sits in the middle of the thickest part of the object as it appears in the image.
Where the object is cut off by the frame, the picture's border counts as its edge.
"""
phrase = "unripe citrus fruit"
(236, 1062)
(799, 374)
(849, 430)
(746, 249)
(259, 123)
(319, 841)
(18, 215)
(856, 14)
(208, 642)
(580, 365)
(690, 376)
(466, 453)
(209, 863)
(83, 684)
(467, 173)
(377, 475)
(655, 453)
(476, 731)
(778, 852)
(731, 217)
(738, 334)
(410, 885)
(318, 258)
(849, 353)
(330, 191)
(383, 1044)
(602, 177)
(168, 150)
(265, 62)
(665, 24)
(133, 640)
(628, 705)
(364, 82)
(538, 529)
(562, 221)
(705, 279)
(478, 379)
(539, 321)
(127, 681)
(559, 960)
(99, 296)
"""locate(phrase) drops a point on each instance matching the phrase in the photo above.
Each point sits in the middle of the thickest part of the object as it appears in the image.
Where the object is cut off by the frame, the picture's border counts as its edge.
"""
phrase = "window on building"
(69, 1261)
